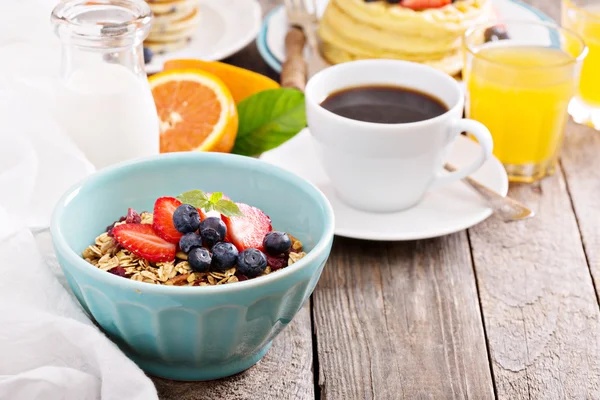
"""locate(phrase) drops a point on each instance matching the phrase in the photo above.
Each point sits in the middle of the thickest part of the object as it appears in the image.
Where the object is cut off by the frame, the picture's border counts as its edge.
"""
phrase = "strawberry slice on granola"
(141, 240)
(247, 231)
(164, 208)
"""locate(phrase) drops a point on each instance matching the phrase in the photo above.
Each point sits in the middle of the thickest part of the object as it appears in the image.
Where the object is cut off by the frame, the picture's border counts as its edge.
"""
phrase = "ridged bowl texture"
(192, 333)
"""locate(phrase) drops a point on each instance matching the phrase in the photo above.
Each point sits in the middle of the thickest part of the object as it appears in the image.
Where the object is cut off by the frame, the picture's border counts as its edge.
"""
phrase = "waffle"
(355, 29)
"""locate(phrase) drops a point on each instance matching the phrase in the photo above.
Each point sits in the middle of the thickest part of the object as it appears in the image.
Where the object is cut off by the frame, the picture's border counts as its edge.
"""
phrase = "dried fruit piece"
(277, 262)
(119, 271)
(133, 217)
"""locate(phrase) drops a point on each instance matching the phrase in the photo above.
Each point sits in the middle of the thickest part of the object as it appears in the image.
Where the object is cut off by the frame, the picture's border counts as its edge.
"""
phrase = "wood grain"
(581, 163)
(539, 307)
(540, 311)
(400, 321)
(284, 374)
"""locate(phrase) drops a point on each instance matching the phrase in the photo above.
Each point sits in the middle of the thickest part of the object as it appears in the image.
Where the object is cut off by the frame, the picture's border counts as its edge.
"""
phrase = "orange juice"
(521, 93)
(586, 22)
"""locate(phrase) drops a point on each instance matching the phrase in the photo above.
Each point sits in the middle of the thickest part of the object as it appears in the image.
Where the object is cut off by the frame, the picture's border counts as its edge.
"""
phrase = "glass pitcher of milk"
(104, 101)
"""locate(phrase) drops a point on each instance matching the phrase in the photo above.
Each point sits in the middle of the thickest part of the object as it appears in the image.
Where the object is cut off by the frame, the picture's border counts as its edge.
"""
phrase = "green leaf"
(228, 208)
(215, 197)
(196, 198)
(199, 199)
(268, 119)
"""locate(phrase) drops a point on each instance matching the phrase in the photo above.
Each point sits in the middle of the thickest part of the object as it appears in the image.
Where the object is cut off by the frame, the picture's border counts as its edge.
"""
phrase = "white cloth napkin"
(49, 348)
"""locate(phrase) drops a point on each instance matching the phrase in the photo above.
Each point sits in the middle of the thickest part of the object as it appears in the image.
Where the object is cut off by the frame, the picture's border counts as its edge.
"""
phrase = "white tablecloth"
(49, 348)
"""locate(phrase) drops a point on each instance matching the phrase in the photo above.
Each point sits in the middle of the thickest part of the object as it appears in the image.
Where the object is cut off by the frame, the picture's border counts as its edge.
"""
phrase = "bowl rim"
(71, 256)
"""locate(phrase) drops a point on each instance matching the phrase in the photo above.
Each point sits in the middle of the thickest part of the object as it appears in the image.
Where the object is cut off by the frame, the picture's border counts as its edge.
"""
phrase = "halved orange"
(196, 111)
(241, 82)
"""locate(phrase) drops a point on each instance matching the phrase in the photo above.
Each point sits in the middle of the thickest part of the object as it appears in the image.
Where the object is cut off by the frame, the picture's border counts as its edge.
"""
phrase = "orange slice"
(240, 81)
(196, 111)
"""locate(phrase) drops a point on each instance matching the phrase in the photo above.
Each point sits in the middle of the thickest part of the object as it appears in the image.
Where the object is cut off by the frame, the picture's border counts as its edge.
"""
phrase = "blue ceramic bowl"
(193, 333)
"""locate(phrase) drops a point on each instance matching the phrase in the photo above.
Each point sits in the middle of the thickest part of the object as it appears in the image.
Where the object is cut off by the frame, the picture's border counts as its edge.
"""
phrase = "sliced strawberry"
(212, 213)
(141, 240)
(419, 5)
(248, 231)
(163, 219)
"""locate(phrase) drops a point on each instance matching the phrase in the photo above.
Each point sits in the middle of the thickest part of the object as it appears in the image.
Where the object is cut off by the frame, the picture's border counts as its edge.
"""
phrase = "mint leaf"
(228, 208)
(196, 198)
(199, 199)
(215, 197)
(268, 119)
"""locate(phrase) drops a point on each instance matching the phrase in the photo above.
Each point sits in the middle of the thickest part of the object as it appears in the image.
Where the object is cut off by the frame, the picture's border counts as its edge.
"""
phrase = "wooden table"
(506, 311)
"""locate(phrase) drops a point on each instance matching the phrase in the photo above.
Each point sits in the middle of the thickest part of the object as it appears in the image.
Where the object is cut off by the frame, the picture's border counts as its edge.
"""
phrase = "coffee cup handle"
(484, 137)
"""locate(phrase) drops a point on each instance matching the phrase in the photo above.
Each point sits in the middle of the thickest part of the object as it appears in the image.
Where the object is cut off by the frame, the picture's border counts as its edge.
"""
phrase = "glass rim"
(64, 18)
(571, 4)
(551, 25)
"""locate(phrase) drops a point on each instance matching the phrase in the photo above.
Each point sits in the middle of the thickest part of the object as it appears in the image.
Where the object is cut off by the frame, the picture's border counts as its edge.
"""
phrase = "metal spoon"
(506, 208)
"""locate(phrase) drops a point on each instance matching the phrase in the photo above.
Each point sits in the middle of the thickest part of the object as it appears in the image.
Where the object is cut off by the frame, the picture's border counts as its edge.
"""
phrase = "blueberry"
(199, 259)
(190, 241)
(225, 256)
(252, 263)
(276, 243)
(393, 1)
(148, 54)
(495, 33)
(186, 219)
(212, 230)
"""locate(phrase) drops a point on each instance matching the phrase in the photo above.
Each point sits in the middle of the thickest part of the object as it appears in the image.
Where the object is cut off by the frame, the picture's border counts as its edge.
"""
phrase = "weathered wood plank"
(284, 374)
(581, 163)
(540, 311)
(400, 321)
(539, 307)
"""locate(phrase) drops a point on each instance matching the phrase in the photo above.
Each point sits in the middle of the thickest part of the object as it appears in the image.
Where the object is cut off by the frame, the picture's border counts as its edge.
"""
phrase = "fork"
(299, 15)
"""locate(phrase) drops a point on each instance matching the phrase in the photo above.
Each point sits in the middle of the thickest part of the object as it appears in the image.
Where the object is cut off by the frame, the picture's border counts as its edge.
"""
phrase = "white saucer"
(446, 210)
(225, 27)
(271, 41)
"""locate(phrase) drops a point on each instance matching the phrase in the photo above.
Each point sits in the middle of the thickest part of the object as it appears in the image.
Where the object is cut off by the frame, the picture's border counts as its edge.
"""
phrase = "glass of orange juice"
(583, 17)
(520, 78)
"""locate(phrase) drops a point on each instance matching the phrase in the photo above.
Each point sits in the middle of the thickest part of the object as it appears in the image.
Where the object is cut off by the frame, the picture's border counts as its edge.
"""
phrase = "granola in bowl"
(196, 239)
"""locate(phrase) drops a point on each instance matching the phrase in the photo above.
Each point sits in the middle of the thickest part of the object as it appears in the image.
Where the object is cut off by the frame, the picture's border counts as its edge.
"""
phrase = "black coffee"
(384, 104)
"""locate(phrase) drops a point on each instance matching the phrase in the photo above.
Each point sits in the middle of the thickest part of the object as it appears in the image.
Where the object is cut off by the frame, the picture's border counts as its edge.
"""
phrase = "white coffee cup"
(380, 167)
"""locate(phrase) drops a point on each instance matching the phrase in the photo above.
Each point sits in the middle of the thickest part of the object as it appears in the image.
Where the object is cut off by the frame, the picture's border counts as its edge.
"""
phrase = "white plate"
(271, 41)
(446, 210)
(225, 27)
